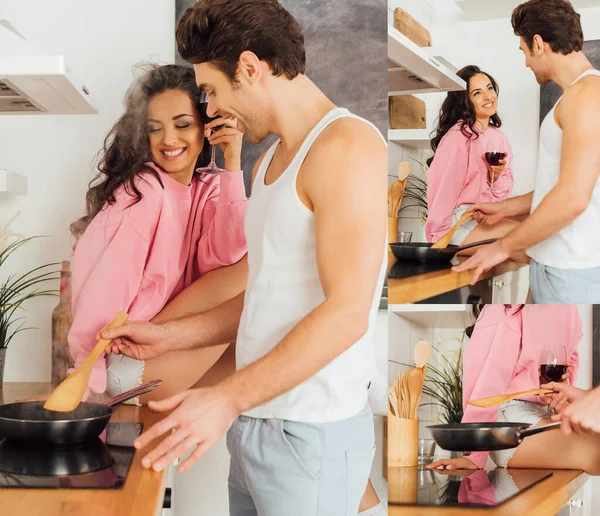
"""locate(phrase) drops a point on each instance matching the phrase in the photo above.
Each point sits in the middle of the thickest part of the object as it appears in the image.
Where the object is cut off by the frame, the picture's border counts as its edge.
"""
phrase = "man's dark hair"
(556, 21)
(218, 31)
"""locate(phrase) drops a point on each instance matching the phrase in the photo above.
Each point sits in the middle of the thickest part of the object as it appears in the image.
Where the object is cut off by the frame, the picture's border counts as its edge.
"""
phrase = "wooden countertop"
(424, 286)
(543, 499)
(142, 494)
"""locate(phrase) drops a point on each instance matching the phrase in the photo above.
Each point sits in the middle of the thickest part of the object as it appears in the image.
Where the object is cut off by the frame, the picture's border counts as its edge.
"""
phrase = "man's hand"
(582, 416)
(561, 397)
(487, 213)
(139, 340)
(453, 464)
(484, 259)
(200, 418)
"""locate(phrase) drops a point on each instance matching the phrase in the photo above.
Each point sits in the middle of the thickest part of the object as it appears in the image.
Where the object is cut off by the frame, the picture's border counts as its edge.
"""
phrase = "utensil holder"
(403, 484)
(403, 442)
(392, 230)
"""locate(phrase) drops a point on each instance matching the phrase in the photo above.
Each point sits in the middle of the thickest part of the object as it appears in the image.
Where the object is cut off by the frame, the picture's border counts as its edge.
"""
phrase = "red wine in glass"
(553, 372)
(212, 166)
(493, 158)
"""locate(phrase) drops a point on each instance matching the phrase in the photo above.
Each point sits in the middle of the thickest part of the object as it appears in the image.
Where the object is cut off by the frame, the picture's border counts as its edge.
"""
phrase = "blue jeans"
(550, 285)
(289, 468)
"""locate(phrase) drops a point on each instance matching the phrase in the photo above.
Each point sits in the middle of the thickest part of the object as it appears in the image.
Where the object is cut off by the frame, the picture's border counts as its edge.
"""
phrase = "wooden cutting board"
(407, 112)
(411, 28)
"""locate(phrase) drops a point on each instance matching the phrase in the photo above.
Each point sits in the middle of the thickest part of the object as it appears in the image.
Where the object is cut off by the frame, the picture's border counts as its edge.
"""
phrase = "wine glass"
(211, 168)
(494, 152)
(553, 366)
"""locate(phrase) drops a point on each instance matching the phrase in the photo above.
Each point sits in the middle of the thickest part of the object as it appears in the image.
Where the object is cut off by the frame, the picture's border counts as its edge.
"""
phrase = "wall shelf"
(11, 183)
(413, 138)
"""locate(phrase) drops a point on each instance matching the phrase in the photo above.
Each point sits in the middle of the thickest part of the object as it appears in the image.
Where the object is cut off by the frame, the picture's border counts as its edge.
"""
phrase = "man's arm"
(579, 117)
(345, 178)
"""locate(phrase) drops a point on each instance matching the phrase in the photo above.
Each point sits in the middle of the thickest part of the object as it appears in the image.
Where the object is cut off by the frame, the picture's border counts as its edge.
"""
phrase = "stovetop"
(401, 270)
(478, 488)
(102, 463)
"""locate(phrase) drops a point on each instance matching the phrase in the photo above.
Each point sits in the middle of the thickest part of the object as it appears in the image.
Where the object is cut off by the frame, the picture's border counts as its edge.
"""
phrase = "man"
(299, 430)
(561, 234)
(579, 410)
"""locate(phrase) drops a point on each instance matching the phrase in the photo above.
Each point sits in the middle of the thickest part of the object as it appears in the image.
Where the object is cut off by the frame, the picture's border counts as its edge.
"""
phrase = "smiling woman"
(154, 227)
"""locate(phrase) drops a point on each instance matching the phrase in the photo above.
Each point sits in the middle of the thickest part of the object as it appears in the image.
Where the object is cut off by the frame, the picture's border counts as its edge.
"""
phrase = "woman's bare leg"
(180, 370)
(553, 450)
(369, 499)
(498, 230)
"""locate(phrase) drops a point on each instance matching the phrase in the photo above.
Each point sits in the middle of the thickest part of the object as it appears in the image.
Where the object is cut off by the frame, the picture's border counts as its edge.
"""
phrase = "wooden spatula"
(499, 400)
(415, 378)
(443, 242)
(68, 395)
(422, 353)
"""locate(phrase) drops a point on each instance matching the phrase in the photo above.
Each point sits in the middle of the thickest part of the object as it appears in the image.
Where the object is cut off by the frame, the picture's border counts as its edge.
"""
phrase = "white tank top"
(283, 287)
(576, 246)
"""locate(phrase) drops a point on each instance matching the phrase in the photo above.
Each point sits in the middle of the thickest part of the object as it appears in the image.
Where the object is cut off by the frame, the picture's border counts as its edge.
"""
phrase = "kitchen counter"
(545, 498)
(142, 494)
(424, 286)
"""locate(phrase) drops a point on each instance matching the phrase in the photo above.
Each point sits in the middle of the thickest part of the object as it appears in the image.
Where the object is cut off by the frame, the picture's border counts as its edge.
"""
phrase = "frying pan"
(421, 252)
(484, 436)
(30, 421)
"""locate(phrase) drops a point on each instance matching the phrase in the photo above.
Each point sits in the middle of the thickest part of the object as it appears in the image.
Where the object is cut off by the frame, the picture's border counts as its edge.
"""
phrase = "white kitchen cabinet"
(578, 504)
(511, 287)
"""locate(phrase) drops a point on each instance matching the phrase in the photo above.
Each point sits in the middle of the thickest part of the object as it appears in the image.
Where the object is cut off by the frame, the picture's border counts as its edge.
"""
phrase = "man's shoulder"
(349, 135)
(584, 90)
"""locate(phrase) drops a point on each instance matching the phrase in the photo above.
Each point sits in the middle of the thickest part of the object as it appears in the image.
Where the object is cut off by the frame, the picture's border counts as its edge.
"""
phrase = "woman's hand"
(494, 172)
(462, 463)
(229, 139)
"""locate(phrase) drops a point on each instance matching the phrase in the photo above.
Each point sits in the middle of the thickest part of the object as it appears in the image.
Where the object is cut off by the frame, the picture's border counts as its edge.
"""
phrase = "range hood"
(40, 85)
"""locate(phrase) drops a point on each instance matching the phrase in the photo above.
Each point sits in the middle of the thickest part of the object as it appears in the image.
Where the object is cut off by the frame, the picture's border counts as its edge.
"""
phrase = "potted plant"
(16, 289)
(416, 193)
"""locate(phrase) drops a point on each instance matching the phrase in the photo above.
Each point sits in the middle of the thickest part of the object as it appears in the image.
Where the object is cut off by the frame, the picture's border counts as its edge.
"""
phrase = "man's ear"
(250, 68)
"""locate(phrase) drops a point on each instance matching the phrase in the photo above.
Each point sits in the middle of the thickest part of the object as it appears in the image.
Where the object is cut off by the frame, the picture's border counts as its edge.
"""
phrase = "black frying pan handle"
(538, 429)
(127, 395)
(475, 244)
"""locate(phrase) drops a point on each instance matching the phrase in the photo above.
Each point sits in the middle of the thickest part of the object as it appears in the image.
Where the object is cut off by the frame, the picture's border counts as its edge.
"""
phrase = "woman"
(504, 356)
(459, 175)
(157, 231)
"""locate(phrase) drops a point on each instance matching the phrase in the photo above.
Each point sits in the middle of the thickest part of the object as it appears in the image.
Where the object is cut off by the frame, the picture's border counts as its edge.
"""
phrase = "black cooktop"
(478, 488)
(102, 463)
(401, 270)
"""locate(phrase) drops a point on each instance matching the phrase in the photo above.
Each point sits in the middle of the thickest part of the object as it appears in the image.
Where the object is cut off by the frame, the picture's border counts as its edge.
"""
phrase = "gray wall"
(550, 93)
(346, 47)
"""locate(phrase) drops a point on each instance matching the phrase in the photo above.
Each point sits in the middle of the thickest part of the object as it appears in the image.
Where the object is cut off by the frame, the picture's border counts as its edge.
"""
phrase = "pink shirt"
(459, 175)
(506, 350)
(135, 258)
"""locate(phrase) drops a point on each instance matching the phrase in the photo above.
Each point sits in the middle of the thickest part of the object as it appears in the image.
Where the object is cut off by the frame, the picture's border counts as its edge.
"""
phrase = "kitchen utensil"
(426, 451)
(30, 421)
(392, 228)
(390, 202)
(70, 392)
(397, 191)
(499, 400)
(422, 353)
(404, 237)
(423, 253)
(414, 382)
(403, 170)
(424, 372)
(393, 401)
(444, 241)
(405, 396)
(484, 436)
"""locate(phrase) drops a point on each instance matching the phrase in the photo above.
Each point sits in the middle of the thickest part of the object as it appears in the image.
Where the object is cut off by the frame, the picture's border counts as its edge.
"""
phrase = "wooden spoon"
(67, 396)
(415, 379)
(405, 396)
(422, 353)
(443, 242)
(403, 170)
(393, 402)
(397, 191)
(499, 400)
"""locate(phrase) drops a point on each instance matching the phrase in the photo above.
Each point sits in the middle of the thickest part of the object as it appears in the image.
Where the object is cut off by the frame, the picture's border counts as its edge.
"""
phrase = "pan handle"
(127, 395)
(475, 244)
(538, 429)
